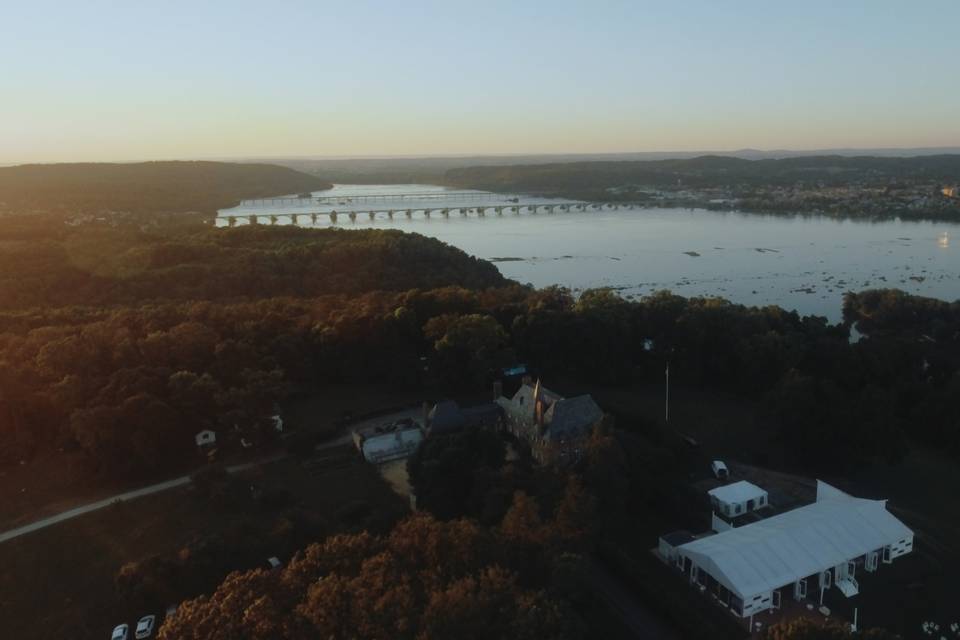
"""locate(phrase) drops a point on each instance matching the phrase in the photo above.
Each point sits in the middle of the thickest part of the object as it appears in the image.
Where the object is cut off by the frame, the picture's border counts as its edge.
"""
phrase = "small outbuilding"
(737, 499)
(668, 543)
(388, 442)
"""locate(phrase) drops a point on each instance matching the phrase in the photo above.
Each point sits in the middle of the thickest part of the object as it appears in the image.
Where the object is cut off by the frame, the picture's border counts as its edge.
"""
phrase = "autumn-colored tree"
(427, 579)
(523, 523)
(574, 519)
(491, 605)
(806, 629)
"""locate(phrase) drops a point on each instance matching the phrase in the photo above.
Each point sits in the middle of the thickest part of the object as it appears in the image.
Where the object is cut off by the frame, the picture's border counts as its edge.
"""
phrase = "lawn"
(58, 481)
(58, 582)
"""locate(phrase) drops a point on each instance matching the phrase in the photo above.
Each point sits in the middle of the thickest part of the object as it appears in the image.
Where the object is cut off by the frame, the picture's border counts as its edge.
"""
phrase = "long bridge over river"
(463, 211)
(425, 205)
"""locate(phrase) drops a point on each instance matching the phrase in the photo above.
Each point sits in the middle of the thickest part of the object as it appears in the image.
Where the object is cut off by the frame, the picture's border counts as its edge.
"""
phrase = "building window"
(736, 604)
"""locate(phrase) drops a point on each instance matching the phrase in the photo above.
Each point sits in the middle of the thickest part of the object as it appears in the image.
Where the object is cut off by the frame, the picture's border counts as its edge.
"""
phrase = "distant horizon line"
(700, 152)
(663, 154)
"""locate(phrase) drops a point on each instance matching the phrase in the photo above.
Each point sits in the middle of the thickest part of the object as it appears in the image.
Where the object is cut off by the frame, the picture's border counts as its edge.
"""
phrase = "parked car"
(120, 632)
(145, 627)
(720, 470)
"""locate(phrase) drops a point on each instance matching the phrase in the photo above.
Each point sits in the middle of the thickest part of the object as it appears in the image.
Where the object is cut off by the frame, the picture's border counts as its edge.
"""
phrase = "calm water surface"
(803, 263)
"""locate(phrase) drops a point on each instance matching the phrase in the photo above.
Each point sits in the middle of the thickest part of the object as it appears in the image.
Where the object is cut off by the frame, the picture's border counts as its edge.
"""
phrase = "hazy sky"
(141, 79)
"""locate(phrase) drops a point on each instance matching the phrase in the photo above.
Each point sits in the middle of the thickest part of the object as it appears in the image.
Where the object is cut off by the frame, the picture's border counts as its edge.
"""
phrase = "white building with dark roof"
(734, 501)
(387, 442)
(815, 547)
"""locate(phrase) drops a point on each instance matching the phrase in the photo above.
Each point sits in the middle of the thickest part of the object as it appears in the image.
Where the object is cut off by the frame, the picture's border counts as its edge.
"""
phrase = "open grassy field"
(59, 582)
(59, 481)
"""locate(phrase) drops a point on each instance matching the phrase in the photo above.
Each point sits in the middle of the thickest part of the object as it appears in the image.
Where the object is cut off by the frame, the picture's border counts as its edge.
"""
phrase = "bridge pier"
(313, 218)
(445, 213)
(426, 213)
(373, 215)
(408, 213)
(481, 211)
(499, 210)
(353, 216)
(390, 214)
(333, 217)
(273, 219)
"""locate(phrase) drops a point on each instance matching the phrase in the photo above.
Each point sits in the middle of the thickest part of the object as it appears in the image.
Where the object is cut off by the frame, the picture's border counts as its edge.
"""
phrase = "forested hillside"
(106, 266)
(578, 178)
(144, 188)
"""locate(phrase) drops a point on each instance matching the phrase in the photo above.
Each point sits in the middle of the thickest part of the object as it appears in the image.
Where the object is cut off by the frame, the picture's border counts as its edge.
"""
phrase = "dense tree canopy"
(426, 579)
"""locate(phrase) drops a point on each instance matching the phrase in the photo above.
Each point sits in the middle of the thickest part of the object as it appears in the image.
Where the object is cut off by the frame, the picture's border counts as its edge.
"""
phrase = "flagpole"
(666, 399)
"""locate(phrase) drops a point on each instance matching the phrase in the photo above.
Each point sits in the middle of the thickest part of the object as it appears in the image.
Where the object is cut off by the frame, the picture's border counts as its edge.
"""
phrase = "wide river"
(797, 262)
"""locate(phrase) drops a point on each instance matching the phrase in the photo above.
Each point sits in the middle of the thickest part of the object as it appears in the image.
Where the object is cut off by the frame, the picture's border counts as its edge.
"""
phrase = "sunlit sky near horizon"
(127, 80)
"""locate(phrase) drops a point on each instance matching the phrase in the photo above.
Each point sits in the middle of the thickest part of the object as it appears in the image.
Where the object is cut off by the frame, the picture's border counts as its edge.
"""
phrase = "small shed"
(206, 438)
(737, 499)
(667, 546)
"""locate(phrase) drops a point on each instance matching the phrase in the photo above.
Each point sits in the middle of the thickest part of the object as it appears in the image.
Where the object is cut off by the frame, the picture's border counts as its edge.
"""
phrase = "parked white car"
(145, 627)
(120, 632)
(720, 470)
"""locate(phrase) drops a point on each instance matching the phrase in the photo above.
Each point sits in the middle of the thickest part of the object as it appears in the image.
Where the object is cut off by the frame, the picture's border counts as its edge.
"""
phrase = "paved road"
(146, 491)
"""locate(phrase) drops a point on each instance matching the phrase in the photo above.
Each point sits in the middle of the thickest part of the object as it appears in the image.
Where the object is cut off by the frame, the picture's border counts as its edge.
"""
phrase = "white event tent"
(747, 567)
